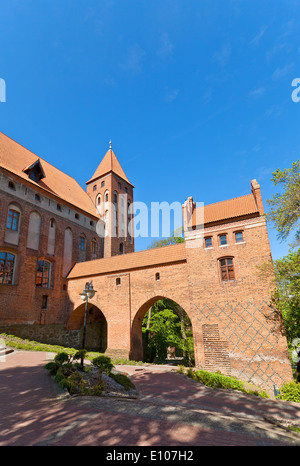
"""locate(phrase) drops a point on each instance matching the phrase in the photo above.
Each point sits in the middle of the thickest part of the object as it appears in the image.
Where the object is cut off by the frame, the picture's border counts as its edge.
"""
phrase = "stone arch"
(96, 327)
(136, 343)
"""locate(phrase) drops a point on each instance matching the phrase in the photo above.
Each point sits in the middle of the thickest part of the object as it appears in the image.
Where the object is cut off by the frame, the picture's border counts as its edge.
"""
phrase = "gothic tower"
(112, 195)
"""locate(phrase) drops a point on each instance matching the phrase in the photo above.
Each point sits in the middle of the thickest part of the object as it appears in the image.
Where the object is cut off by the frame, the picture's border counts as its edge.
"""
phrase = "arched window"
(94, 247)
(82, 242)
(13, 218)
(7, 268)
(121, 248)
(227, 269)
(106, 196)
(33, 237)
(43, 274)
(13, 223)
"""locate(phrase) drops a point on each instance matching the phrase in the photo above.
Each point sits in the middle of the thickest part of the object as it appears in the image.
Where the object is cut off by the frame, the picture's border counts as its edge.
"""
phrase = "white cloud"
(256, 39)
(133, 59)
(222, 56)
(166, 46)
(172, 95)
(257, 92)
(281, 72)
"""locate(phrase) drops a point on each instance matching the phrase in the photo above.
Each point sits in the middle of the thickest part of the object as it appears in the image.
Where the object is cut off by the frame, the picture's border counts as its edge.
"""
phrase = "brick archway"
(96, 326)
(136, 348)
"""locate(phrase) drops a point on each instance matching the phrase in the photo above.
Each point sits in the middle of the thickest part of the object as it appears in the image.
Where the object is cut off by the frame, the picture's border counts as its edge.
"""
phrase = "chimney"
(257, 196)
(187, 211)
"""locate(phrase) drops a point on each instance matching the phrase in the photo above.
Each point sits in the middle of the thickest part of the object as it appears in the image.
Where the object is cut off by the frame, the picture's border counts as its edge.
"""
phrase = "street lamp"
(87, 293)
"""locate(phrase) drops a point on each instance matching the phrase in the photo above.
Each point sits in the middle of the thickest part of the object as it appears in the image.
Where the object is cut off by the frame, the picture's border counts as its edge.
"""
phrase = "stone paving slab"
(171, 411)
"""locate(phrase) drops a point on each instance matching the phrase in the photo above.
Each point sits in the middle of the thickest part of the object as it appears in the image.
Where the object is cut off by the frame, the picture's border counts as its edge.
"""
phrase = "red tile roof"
(133, 260)
(16, 159)
(109, 164)
(232, 208)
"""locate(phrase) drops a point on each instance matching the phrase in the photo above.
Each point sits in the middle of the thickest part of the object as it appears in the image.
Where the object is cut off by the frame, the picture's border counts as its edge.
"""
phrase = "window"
(208, 242)
(37, 197)
(43, 274)
(118, 281)
(81, 243)
(11, 185)
(44, 301)
(102, 184)
(7, 265)
(106, 197)
(126, 190)
(13, 220)
(239, 237)
(77, 216)
(121, 248)
(119, 185)
(94, 246)
(227, 270)
(223, 240)
(59, 208)
(94, 187)
(157, 276)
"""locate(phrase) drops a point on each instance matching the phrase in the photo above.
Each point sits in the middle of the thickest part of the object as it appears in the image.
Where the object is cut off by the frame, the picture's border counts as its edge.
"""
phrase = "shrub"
(103, 363)
(123, 380)
(290, 391)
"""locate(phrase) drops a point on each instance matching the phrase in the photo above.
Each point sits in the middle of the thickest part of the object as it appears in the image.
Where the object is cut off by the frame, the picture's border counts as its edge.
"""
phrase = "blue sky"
(195, 94)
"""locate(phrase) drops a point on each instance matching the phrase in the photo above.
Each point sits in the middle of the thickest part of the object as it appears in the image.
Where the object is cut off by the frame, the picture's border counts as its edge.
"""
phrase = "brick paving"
(171, 411)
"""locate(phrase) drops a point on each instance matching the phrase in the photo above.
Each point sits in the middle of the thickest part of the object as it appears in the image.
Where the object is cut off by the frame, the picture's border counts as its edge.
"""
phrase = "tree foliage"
(287, 272)
(167, 325)
(176, 237)
(285, 206)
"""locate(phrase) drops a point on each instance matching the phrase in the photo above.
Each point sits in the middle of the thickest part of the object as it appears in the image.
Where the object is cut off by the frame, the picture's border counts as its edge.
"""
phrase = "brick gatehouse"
(49, 249)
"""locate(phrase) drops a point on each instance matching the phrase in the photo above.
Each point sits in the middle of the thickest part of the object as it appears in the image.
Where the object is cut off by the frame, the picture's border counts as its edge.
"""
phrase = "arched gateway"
(236, 330)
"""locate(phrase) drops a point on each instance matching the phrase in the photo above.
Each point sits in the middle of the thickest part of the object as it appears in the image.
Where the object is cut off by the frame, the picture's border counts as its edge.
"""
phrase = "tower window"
(43, 274)
(121, 248)
(94, 187)
(102, 184)
(13, 220)
(118, 281)
(44, 301)
(11, 185)
(227, 269)
(7, 265)
(208, 242)
(157, 276)
(81, 243)
(223, 240)
(119, 185)
(239, 237)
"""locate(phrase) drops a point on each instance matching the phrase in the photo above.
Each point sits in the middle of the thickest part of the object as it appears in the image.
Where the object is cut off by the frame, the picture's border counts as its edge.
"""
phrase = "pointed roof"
(109, 164)
(16, 159)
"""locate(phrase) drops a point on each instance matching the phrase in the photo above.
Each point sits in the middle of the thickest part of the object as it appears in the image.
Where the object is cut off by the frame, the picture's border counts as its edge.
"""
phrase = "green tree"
(166, 325)
(285, 206)
(176, 237)
(287, 272)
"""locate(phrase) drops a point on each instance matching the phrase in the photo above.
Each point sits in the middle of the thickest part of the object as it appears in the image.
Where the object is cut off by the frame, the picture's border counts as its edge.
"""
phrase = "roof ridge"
(226, 200)
(39, 157)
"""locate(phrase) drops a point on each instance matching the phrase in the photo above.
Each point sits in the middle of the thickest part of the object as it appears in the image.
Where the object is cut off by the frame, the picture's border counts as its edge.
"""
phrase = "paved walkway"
(171, 411)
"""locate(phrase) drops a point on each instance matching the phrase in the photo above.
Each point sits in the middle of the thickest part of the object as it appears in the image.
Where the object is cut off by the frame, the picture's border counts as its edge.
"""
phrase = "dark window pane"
(239, 237)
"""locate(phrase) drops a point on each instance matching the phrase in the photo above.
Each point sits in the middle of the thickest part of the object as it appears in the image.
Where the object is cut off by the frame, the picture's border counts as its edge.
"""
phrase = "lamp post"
(87, 293)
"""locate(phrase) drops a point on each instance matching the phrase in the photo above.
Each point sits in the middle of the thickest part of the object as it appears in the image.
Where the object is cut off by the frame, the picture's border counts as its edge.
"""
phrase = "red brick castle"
(50, 247)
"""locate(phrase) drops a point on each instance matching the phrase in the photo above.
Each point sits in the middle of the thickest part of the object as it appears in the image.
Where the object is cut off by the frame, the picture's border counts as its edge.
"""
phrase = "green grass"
(29, 345)
(218, 380)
